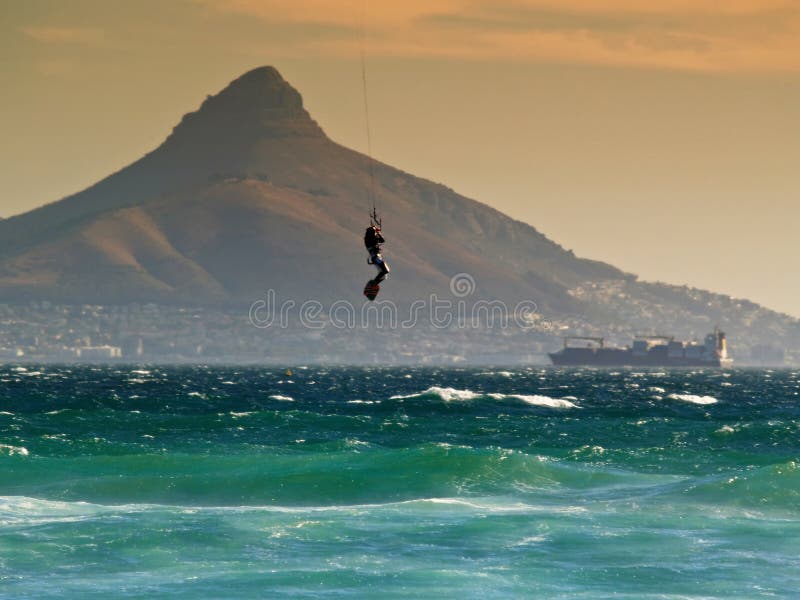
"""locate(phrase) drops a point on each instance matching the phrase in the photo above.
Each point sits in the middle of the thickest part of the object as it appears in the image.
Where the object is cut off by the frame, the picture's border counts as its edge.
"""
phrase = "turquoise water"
(199, 482)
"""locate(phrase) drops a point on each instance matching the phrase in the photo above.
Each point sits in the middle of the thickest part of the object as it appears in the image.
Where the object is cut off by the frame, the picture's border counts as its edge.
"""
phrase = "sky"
(660, 136)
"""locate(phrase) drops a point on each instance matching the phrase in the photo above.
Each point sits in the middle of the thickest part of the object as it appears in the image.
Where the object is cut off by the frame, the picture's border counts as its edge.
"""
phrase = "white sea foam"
(451, 394)
(13, 450)
(447, 394)
(533, 539)
(16, 509)
(693, 398)
(281, 398)
(500, 373)
(537, 400)
(496, 505)
(354, 443)
(57, 411)
(590, 450)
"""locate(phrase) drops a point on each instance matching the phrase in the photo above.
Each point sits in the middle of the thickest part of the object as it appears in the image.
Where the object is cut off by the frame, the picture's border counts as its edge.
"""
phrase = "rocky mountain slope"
(248, 194)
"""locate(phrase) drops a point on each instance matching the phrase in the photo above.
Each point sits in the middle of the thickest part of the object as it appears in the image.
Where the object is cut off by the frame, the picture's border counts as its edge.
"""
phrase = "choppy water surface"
(204, 482)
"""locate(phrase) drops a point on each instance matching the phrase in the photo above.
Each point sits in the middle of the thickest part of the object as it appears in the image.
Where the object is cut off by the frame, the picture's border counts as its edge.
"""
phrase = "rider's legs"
(380, 264)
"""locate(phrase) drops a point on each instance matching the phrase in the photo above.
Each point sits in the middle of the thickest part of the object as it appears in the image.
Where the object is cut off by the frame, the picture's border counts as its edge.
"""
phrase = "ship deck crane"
(569, 338)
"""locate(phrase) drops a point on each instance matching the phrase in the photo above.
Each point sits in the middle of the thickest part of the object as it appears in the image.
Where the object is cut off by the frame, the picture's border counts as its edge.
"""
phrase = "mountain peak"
(258, 90)
(258, 103)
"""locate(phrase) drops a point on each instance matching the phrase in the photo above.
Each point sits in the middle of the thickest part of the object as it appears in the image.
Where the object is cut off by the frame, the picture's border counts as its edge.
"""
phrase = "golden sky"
(661, 136)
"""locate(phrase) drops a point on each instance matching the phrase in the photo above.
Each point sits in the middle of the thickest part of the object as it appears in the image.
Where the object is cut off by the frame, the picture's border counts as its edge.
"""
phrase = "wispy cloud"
(752, 35)
(65, 35)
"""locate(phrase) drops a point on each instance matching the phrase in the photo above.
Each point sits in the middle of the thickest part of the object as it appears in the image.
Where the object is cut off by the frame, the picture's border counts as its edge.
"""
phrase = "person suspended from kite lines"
(373, 239)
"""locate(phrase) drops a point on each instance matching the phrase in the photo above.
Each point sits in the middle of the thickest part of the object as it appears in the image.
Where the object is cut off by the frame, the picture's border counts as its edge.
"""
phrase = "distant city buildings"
(98, 353)
(48, 332)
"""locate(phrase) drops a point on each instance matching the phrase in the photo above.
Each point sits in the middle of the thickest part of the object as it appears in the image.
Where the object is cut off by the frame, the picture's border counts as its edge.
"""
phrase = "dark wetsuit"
(373, 240)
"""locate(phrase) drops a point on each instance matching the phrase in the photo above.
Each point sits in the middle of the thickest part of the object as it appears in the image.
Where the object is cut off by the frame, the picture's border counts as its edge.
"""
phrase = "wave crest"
(448, 394)
(694, 398)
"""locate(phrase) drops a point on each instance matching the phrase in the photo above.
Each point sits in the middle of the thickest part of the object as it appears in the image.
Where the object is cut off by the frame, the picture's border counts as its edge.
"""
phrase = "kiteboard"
(371, 290)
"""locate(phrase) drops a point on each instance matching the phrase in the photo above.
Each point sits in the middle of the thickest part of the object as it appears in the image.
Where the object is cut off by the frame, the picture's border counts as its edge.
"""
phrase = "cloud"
(65, 35)
(700, 35)
(345, 12)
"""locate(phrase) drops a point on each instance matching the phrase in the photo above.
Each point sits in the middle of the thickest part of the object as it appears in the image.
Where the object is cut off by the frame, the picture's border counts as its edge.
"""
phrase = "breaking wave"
(448, 394)
(693, 398)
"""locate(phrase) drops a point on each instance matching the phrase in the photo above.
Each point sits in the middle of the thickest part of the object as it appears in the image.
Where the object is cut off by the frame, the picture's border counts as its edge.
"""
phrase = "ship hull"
(628, 359)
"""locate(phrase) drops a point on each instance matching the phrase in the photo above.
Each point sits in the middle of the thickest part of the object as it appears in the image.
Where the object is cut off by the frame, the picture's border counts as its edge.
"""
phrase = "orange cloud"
(342, 12)
(752, 35)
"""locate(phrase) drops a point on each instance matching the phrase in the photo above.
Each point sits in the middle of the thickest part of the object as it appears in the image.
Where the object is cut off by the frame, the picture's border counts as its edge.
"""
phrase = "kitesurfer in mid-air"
(373, 240)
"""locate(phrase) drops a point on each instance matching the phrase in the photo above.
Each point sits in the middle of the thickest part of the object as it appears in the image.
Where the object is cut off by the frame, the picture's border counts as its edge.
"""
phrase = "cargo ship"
(646, 351)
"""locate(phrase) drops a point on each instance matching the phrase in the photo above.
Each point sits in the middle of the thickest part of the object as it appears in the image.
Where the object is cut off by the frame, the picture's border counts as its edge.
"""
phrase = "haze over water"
(242, 482)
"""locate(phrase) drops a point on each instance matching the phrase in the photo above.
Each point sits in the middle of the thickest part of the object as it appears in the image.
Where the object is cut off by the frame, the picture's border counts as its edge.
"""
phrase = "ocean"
(224, 482)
